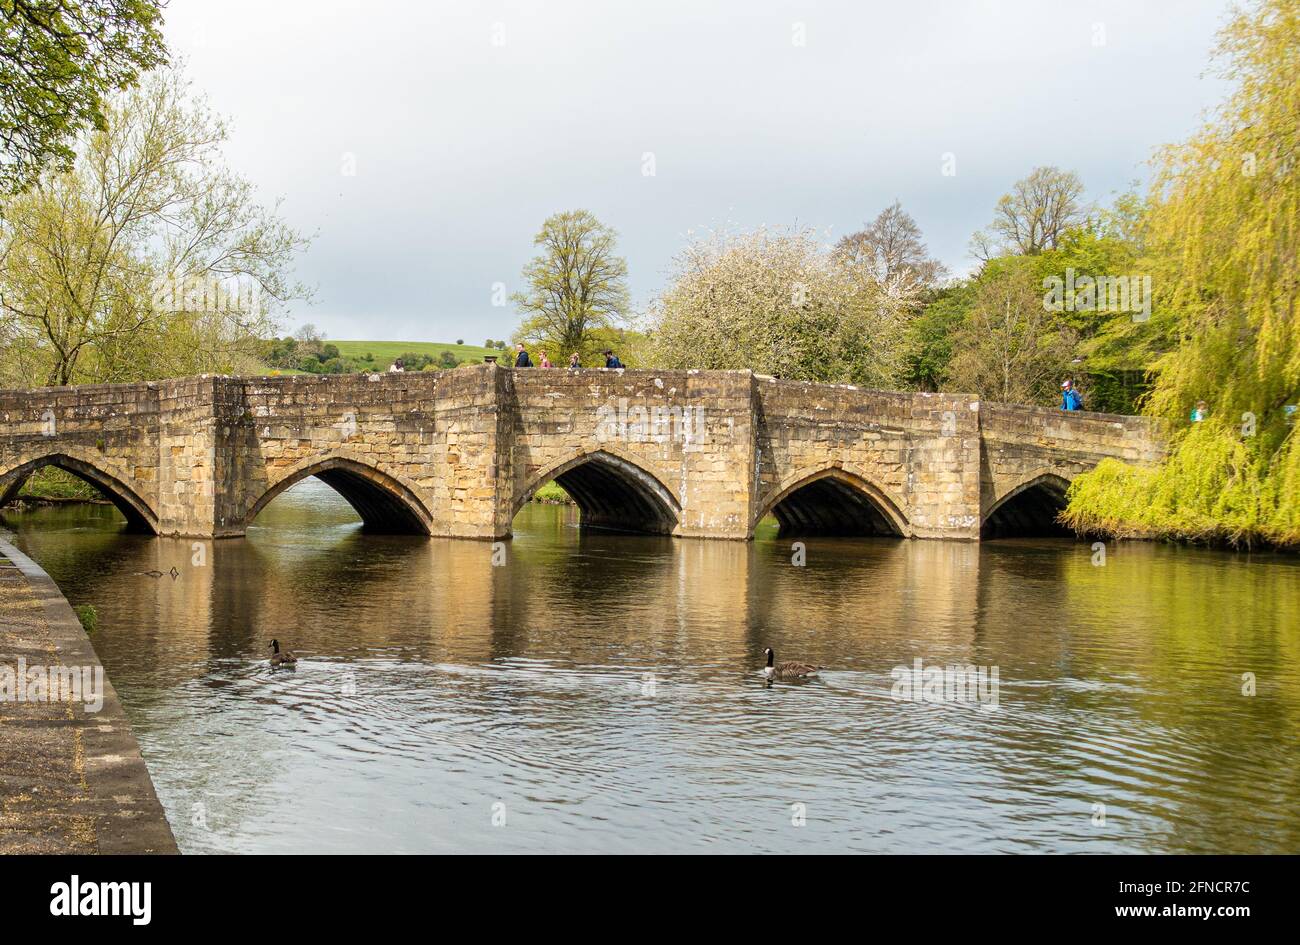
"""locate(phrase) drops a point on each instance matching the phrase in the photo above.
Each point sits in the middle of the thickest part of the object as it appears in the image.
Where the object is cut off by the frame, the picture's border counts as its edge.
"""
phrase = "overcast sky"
(468, 123)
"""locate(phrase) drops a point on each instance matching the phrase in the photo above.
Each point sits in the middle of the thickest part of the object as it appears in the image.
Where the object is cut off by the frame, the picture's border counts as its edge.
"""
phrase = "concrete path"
(71, 780)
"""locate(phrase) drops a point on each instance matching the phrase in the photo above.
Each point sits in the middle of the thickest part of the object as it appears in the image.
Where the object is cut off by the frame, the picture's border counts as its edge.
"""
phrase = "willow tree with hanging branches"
(1222, 232)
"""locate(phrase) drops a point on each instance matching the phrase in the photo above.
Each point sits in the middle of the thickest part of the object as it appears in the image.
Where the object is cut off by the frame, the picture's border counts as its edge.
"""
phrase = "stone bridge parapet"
(457, 453)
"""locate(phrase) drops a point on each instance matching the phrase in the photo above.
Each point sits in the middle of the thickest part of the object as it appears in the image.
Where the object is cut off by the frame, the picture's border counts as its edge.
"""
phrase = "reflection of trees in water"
(583, 576)
(1154, 640)
(363, 592)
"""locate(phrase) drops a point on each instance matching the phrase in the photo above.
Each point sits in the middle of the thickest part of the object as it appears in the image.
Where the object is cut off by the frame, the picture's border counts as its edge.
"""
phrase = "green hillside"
(290, 356)
(383, 353)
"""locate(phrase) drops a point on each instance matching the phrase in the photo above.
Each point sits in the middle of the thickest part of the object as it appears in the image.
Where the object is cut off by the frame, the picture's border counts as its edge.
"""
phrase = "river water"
(601, 692)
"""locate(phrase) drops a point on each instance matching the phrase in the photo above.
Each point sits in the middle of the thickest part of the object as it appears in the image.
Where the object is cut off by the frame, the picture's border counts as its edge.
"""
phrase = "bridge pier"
(457, 453)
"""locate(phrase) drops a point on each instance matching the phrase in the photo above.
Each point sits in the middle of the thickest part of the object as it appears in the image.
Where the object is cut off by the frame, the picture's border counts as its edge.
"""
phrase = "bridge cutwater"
(702, 454)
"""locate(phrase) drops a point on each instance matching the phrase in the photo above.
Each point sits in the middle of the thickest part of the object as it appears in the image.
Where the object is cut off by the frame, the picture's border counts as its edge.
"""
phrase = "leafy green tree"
(931, 334)
(149, 258)
(1222, 238)
(1224, 234)
(1116, 345)
(59, 61)
(411, 361)
(576, 286)
(1010, 348)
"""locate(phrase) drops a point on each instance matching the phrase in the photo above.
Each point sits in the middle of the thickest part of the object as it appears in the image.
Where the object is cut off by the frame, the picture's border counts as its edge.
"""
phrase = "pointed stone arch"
(139, 515)
(833, 500)
(612, 491)
(1029, 508)
(385, 503)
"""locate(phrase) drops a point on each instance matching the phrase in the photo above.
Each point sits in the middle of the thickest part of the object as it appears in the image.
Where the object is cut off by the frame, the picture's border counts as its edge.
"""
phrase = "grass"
(371, 356)
(88, 616)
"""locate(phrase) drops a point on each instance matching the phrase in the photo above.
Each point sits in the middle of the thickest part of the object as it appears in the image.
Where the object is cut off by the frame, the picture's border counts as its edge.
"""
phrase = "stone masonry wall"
(109, 433)
(1021, 444)
(429, 437)
(457, 453)
(692, 431)
(917, 452)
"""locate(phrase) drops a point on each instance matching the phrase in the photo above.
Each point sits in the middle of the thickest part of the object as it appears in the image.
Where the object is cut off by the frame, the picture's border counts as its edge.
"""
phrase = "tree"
(59, 61)
(778, 303)
(1223, 244)
(310, 341)
(1223, 235)
(891, 250)
(577, 286)
(148, 258)
(1009, 348)
(1034, 216)
(930, 336)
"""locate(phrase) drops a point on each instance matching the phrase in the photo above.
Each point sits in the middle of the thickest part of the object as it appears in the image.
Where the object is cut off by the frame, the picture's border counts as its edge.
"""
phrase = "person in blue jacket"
(1070, 399)
(611, 360)
(521, 359)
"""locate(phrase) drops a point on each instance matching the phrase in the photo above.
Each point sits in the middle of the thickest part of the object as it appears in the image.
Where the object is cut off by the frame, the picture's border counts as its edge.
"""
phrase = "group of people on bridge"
(522, 359)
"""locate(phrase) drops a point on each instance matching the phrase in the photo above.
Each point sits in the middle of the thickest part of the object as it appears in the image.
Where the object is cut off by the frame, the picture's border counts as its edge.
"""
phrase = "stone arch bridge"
(689, 453)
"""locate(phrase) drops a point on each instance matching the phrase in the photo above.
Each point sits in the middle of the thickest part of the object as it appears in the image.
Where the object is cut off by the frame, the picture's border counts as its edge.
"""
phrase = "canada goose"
(281, 658)
(788, 669)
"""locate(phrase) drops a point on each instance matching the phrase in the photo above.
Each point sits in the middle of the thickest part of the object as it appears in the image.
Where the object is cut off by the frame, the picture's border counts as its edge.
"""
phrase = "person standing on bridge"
(611, 360)
(574, 363)
(521, 359)
(546, 360)
(1070, 399)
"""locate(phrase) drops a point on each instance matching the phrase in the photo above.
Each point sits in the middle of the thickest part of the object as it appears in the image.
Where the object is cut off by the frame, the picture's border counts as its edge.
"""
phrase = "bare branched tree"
(1034, 216)
(891, 250)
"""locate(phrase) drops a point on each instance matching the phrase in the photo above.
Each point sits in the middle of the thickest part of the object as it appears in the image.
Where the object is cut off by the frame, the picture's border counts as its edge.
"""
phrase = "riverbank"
(73, 778)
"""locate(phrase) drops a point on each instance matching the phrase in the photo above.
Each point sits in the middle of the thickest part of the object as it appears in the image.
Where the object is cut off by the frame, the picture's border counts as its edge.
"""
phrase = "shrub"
(1214, 486)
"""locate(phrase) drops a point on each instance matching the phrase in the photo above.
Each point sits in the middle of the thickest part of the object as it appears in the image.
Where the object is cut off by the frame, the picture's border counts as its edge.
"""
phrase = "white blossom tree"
(780, 303)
